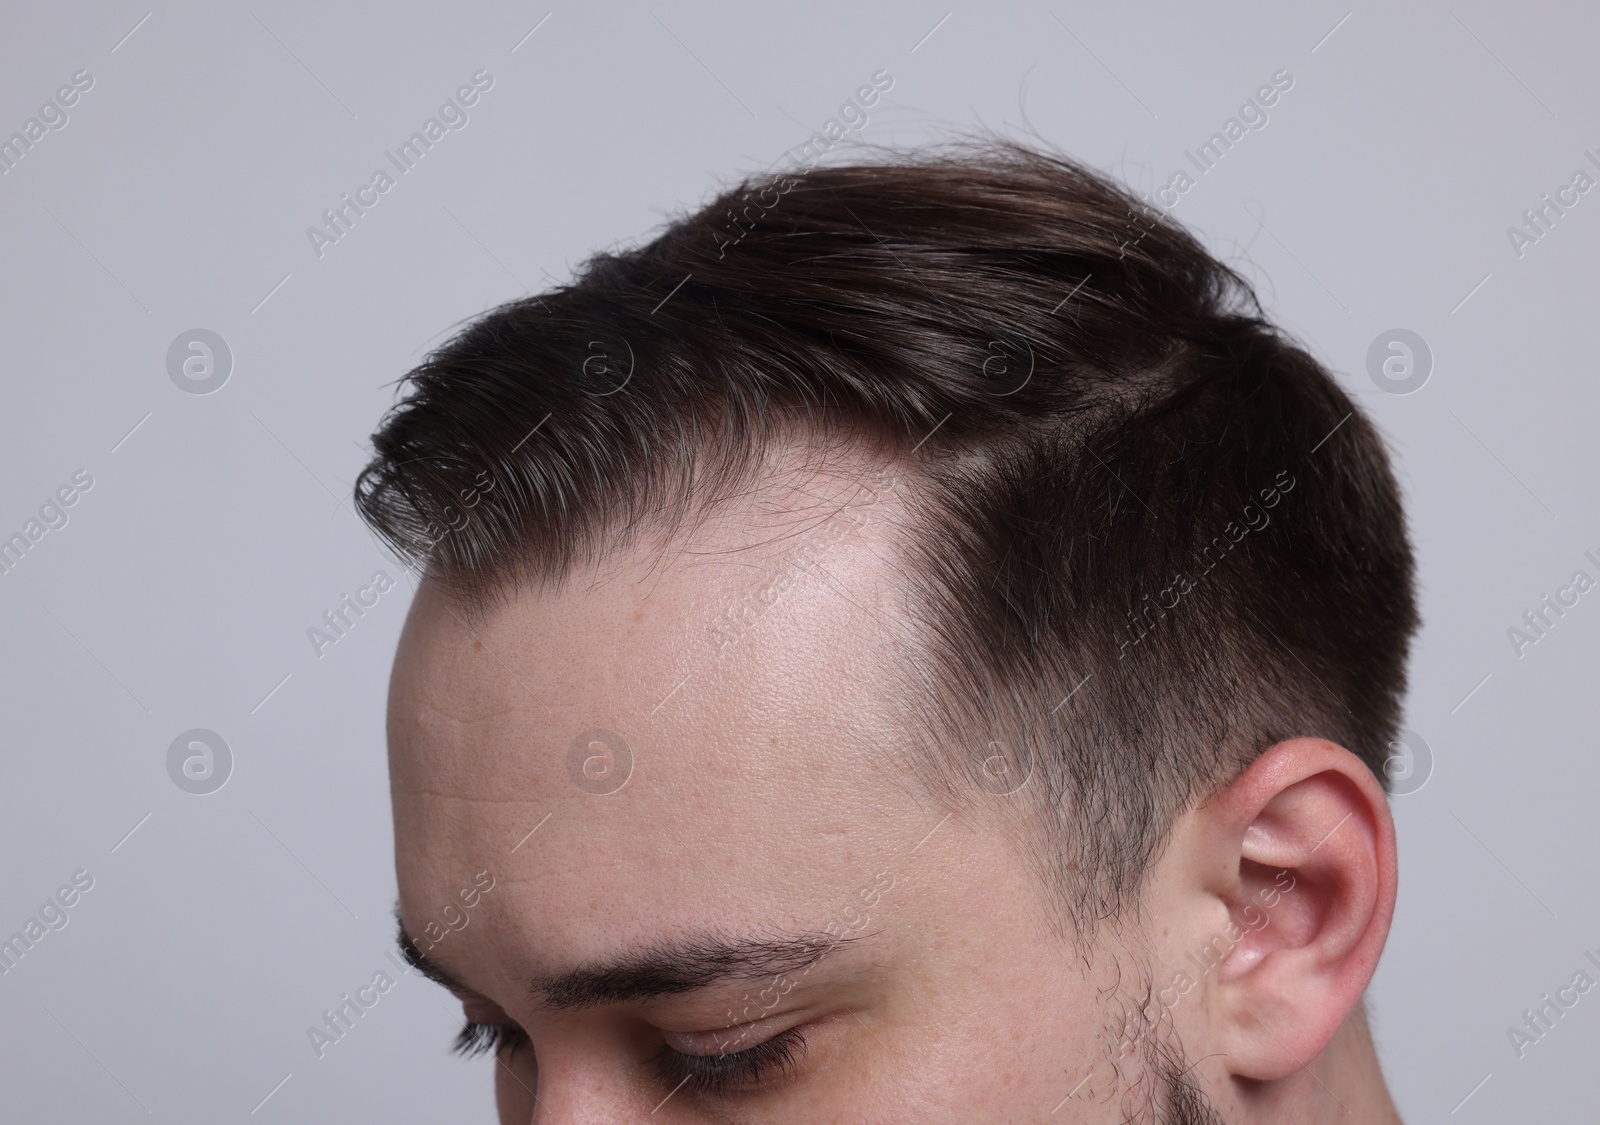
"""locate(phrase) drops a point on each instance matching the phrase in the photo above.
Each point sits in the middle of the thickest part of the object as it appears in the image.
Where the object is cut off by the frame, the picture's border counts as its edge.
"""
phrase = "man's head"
(925, 609)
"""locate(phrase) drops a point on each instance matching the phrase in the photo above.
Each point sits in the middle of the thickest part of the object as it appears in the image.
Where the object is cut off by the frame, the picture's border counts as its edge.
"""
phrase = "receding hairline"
(871, 293)
(823, 466)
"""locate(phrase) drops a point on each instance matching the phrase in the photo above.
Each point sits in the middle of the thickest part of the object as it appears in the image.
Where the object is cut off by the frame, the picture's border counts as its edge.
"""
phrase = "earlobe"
(1312, 891)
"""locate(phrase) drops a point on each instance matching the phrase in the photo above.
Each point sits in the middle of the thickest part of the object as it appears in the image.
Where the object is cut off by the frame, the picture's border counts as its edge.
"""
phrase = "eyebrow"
(661, 969)
(424, 964)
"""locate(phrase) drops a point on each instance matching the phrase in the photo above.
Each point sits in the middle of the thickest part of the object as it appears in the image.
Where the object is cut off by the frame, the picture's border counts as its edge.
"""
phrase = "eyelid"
(736, 1072)
(725, 1040)
(480, 1009)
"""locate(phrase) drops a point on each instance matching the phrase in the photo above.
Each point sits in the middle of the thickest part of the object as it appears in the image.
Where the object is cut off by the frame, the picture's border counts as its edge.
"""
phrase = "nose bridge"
(578, 1087)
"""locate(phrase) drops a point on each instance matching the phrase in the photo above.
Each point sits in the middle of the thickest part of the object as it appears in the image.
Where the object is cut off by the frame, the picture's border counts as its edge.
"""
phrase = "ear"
(1310, 873)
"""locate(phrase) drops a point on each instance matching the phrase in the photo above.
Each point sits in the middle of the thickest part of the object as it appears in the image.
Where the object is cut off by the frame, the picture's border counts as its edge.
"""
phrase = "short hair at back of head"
(1154, 537)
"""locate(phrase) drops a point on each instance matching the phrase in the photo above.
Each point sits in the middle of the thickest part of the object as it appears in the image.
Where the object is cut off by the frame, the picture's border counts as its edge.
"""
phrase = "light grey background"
(219, 529)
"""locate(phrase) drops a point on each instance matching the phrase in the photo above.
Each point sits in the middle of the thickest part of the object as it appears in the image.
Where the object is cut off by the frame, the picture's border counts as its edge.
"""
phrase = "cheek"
(1015, 1059)
(1006, 1034)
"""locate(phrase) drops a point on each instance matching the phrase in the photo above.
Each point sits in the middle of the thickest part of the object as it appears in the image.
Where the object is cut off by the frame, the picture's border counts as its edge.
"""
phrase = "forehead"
(702, 725)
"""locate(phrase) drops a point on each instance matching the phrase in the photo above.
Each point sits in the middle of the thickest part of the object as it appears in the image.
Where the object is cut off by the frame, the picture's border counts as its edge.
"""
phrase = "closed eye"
(717, 1074)
(734, 1071)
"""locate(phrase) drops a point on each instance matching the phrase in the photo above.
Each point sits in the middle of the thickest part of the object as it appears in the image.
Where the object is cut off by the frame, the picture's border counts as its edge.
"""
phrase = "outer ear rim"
(1278, 771)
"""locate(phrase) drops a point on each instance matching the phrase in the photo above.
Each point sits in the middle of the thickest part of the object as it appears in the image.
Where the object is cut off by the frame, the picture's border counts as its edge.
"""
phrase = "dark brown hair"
(1154, 536)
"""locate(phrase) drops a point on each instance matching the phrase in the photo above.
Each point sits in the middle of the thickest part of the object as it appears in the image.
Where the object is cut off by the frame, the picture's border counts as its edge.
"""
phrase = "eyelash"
(718, 1074)
(707, 1074)
(476, 1039)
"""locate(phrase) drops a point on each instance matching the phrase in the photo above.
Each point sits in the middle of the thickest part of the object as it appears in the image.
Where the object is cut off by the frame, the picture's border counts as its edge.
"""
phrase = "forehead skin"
(766, 792)
(730, 743)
